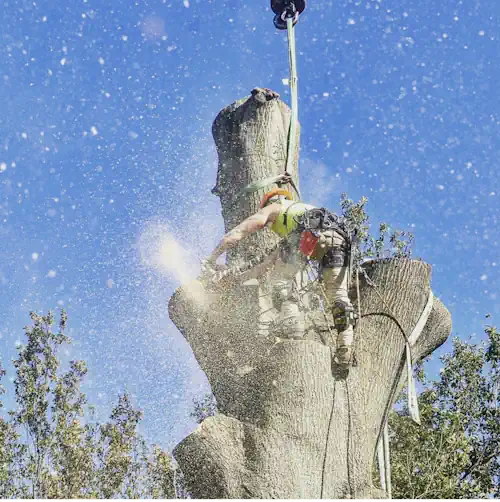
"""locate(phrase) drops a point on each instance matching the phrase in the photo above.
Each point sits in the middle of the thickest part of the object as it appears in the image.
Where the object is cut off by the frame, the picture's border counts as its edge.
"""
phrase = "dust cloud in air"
(164, 252)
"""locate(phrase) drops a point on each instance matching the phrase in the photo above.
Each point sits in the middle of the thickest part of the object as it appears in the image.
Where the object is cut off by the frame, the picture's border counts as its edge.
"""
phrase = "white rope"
(417, 330)
(412, 339)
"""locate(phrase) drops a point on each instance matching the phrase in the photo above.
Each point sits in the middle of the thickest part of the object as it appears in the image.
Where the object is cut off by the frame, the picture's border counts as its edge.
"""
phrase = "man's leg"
(335, 277)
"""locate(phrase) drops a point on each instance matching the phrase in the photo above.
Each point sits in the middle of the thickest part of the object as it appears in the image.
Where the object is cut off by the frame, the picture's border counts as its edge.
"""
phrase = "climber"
(310, 233)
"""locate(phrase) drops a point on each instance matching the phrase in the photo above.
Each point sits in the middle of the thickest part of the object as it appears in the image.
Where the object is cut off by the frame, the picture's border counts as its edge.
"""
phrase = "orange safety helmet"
(274, 193)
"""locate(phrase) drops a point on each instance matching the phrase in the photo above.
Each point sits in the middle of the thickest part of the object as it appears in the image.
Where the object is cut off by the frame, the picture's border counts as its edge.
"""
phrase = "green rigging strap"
(292, 130)
(257, 185)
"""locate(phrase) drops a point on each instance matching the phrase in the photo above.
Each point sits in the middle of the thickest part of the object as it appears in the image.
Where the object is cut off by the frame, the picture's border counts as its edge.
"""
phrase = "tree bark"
(291, 424)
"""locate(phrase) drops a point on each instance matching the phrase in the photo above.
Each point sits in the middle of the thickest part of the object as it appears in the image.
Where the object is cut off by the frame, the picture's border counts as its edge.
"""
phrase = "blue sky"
(105, 148)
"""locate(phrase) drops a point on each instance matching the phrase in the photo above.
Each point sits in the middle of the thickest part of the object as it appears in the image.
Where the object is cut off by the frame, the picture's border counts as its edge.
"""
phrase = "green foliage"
(390, 243)
(161, 481)
(455, 453)
(51, 447)
(11, 466)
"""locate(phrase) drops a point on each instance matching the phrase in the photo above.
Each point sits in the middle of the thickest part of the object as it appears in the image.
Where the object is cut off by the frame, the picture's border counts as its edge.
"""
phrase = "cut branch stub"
(251, 140)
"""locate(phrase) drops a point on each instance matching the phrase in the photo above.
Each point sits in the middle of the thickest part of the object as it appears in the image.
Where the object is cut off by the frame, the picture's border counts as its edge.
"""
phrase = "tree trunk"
(251, 139)
(291, 424)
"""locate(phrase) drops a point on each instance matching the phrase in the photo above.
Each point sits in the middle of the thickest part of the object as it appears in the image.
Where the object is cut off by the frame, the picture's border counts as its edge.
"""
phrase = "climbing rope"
(350, 440)
(325, 455)
(358, 297)
(350, 446)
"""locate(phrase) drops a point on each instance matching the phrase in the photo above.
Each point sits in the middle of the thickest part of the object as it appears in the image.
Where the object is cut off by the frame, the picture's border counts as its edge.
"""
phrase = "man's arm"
(252, 224)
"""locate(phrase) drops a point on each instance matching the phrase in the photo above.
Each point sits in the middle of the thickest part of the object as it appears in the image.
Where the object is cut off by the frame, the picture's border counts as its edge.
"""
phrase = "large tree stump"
(290, 423)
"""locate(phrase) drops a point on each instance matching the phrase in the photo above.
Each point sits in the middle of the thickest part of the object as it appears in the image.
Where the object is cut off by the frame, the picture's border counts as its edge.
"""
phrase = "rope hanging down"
(287, 14)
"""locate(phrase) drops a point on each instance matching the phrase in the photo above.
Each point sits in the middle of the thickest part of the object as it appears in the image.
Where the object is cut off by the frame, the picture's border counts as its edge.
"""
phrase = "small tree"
(51, 447)
(36, 368)
(390, 243)
(115, 446)
(11, 453)
(160, 476)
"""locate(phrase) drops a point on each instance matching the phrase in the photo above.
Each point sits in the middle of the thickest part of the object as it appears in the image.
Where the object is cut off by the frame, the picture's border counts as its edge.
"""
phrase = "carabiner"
(279, 6)
(286, 9)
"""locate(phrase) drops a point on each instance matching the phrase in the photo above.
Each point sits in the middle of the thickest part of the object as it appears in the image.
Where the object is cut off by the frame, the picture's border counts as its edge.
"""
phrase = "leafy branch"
(390, 243)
